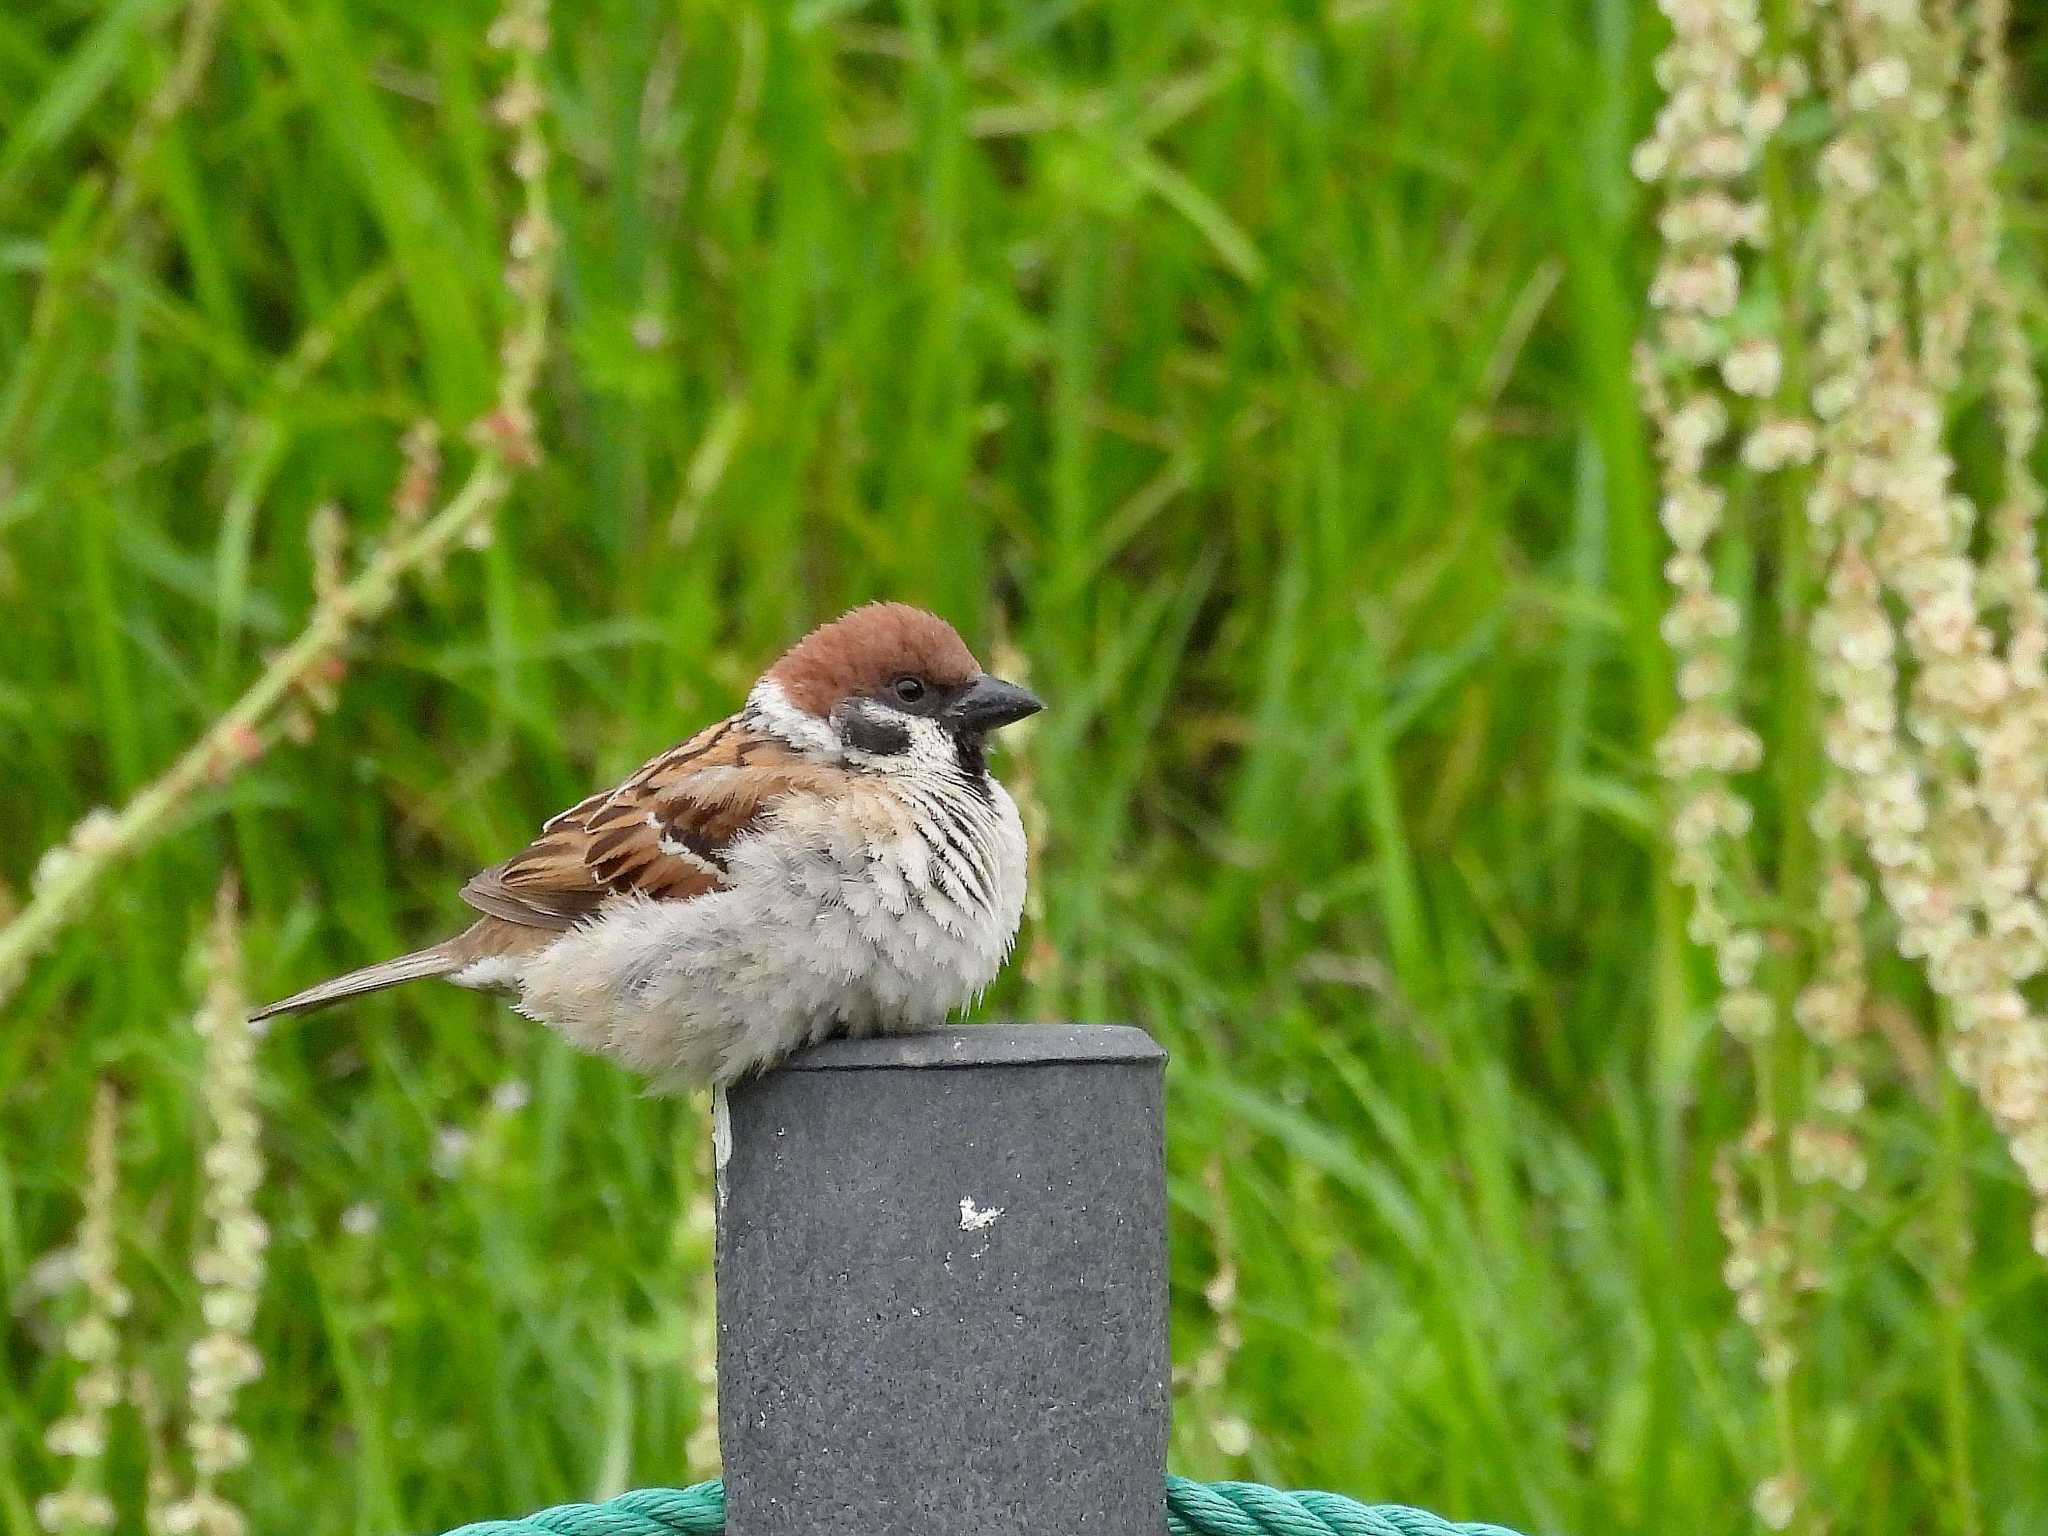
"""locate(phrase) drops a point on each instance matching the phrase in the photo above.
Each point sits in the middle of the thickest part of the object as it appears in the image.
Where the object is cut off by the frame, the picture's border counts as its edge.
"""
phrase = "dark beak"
(989, 704)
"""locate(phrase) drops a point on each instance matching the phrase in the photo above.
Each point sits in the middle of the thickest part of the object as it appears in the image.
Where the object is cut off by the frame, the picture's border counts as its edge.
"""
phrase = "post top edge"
(981, 1045)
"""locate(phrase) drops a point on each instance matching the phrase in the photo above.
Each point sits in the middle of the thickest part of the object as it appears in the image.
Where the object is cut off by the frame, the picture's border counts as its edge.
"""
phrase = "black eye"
(908, 689)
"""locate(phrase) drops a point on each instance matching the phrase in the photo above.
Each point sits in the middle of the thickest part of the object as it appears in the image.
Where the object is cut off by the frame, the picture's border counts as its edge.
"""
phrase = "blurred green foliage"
(1258, 371)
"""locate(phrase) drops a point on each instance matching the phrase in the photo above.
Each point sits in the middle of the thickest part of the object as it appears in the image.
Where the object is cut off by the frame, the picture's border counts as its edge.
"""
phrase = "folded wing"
(663, 833)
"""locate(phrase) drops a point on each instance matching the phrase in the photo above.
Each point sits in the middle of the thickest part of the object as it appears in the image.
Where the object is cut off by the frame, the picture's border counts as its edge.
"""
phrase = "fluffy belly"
(820, 931)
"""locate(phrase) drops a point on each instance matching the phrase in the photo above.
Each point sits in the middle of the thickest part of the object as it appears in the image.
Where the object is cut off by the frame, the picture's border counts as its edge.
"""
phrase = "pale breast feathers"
(663, 833)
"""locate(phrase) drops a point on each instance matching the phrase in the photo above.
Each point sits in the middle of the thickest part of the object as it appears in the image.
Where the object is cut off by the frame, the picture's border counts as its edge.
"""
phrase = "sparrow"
(834, 858)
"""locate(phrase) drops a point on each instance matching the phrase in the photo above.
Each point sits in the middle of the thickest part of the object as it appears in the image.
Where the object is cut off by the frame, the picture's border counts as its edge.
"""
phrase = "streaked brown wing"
(663, 833)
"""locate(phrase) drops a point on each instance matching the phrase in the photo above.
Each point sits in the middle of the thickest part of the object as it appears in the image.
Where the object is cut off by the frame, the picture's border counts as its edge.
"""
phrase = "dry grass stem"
(230, 1268)
(1928, 644)
(1713, 385)
(93, 1339)
(309, 665)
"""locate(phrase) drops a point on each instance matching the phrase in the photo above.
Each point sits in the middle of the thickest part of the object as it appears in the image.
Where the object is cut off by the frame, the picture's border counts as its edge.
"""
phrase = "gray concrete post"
(942, 1287)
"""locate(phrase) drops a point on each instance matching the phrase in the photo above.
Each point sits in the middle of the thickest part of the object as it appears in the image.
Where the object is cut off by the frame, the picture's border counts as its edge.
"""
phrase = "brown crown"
(867, 649)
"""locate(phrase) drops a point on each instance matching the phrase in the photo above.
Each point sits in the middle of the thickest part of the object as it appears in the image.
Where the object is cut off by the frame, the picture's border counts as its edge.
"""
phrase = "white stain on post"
(973, 1218)
(721, 1142)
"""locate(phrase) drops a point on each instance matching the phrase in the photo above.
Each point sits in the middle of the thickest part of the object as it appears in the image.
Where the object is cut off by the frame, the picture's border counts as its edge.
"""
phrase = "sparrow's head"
(888, 687)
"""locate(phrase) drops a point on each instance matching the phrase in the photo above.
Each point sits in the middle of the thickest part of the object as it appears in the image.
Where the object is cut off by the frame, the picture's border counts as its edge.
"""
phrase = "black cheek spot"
(875, 735)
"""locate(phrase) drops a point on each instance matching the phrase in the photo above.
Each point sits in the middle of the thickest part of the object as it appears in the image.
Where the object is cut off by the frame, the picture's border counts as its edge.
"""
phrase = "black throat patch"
(972, 751)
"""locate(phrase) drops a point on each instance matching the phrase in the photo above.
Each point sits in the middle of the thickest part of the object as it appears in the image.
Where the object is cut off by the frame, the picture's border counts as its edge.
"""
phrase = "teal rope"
(1192, 1509)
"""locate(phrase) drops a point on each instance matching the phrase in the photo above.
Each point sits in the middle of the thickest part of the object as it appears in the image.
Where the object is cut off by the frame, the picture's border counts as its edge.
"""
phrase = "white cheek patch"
(928, 747)
(772, 710)
(932, 747)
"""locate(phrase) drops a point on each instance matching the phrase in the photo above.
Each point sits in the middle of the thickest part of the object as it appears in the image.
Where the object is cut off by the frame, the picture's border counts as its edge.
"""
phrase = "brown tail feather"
(437, 961)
